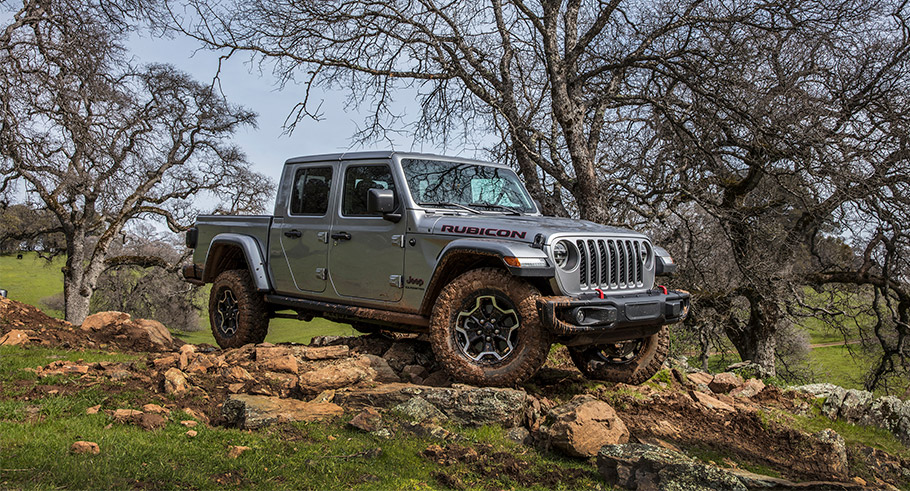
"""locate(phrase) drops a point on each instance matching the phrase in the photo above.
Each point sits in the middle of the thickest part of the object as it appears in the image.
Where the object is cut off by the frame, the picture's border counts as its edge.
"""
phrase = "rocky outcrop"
(120, 329)
(251, 411)
(584, 425)
(461, 404)
(646, 467)
(860, 407)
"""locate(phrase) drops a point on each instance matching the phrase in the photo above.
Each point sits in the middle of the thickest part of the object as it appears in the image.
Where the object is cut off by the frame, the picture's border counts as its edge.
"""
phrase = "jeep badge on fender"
(451, 247)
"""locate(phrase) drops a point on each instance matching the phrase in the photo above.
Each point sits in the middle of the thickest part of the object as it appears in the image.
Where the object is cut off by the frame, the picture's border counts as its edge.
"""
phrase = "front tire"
(237, 312)
(631, 362)
(485, 330)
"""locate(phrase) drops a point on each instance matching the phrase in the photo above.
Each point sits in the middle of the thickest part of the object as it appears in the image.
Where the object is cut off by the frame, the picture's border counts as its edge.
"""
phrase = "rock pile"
(861, 407)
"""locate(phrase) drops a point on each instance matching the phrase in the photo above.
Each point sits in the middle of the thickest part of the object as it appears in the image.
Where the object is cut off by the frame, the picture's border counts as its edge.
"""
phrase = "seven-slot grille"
(614, 264)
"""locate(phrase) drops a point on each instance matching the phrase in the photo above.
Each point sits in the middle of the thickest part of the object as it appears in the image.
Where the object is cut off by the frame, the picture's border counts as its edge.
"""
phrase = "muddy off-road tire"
(237, 312)
(630, 362)
(485, 331)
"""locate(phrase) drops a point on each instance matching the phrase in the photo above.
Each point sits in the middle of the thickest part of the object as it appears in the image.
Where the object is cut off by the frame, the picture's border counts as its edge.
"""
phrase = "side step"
(350, 312)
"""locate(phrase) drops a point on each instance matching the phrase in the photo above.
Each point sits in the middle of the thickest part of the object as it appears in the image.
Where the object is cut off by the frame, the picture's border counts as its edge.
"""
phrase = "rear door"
(366, 251)
(304, 230)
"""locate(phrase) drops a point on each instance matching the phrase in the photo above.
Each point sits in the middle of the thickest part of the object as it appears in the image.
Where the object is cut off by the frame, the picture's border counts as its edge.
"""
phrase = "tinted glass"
(310, 194)
(358, 180)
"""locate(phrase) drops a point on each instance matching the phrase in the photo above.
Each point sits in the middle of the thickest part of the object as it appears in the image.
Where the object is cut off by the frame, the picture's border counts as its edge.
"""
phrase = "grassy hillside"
(31, 279)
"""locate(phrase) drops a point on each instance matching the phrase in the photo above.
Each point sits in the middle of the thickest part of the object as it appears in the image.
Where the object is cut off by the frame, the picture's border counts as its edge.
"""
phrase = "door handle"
(341, 236)
(294, 234)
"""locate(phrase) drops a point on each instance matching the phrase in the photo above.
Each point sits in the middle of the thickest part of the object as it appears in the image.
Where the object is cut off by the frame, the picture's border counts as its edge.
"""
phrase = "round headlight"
(561, 254)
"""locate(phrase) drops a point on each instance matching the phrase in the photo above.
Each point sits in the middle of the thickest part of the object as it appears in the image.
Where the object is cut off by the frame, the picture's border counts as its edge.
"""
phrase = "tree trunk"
(756, 340)
(77, 304)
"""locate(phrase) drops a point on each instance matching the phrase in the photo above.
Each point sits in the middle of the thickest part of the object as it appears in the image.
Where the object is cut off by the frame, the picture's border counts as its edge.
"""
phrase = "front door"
(366, 251)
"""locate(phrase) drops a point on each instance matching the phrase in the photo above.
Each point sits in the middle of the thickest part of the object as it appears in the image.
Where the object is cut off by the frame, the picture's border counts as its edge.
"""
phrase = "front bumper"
(591, 319)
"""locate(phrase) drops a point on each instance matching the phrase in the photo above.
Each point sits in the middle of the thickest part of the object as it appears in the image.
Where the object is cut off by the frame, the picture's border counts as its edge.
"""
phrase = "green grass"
(835, 364)
(36, 435)
(30, 279)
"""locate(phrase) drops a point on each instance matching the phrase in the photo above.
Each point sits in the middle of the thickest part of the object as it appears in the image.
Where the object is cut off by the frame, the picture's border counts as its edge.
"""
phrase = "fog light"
(579, 316)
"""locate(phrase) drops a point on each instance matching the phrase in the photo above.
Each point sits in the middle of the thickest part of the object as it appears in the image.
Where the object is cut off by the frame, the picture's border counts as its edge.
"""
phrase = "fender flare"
(488, 248)
(252, 253)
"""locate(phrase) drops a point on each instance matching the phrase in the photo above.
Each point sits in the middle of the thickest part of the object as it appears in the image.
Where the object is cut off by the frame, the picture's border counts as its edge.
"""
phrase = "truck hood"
(522, 228)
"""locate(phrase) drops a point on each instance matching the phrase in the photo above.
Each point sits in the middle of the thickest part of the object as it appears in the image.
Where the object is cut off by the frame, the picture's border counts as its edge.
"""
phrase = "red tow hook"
(601, 292)
(663, 288)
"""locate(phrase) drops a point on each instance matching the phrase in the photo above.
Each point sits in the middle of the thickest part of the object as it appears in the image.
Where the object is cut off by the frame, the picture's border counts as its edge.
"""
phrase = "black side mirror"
(381, 201)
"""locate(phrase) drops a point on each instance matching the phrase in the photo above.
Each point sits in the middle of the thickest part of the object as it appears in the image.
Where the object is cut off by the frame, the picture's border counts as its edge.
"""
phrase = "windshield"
(458, 185)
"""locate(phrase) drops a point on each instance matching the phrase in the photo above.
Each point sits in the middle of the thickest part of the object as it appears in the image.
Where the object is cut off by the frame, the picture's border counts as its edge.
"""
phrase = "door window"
(310, 194)
(358, 180)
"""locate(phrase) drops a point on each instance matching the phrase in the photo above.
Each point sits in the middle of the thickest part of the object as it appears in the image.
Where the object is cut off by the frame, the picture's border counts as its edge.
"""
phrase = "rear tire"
(237, 312)
(485, 330)
(630, 362)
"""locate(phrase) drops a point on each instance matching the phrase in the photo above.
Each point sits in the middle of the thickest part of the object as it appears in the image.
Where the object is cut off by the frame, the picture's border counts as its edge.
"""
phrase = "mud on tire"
(237, 312)
(631, 362)
(485, 330)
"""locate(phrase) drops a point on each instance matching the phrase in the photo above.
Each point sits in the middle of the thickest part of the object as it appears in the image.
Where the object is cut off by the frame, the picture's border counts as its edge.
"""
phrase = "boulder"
(723, 383)
(323, 352)
(250, 411)
(710, 402)
(584, 425)
(384, 372)
(343, 374)
(414, 373)
(101, 320)
(15, 337)
(855, 405)
(157, 334)
(277, 359)
(647, 467)
(175, 382)
(700, 378)
(835, 459)
(418, 409)
(236, 374)
(463, 404)
(749, 388)
(81, 447)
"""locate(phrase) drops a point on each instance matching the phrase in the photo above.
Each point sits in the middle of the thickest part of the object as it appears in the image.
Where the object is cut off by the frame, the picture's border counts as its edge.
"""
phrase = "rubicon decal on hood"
(488, 232)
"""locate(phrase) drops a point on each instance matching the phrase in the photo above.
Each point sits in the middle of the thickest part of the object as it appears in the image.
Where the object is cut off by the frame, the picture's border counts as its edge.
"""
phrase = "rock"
(80, 369)
(93, 409)
(324, 396)
(836, 459)
(235, 388)
(200, 364)
(725, 382)
(832, 404)
(343, 374)
(700, 378)
(166, 361)
(236, 374)
(646, 467)
(584, 425)
(418, 409)
(322, 353)
(384, 372)
(15, 337)
(474, 406)
(276, 359)
(101, 320)
(818, 390)
(157, 334)
(175, 382)
(126, 415)
(151, 422)
(368, 420)
(414, 373)
(81, 447)
(251, 411)
(519, 435)
(191, 433)
(285, 383)
(235, 451)
(710, 402)
(154, 409)
(749, 388)
(189, 423)
(400, 355)
(855, 405)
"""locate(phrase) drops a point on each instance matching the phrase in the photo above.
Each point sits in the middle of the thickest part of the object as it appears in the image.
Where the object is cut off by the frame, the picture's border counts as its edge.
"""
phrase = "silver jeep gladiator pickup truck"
(447, 246)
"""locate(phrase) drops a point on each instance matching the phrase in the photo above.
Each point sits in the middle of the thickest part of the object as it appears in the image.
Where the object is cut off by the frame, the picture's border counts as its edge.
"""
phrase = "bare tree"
(101, 143)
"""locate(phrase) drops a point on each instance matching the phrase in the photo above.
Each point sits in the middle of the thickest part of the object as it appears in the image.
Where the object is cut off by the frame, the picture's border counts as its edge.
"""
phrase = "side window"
(310, 194)
(358, 180)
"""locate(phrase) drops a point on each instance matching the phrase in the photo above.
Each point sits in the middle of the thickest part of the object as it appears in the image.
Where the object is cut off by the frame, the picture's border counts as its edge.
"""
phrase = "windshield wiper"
(509, 210)
(440, 204)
